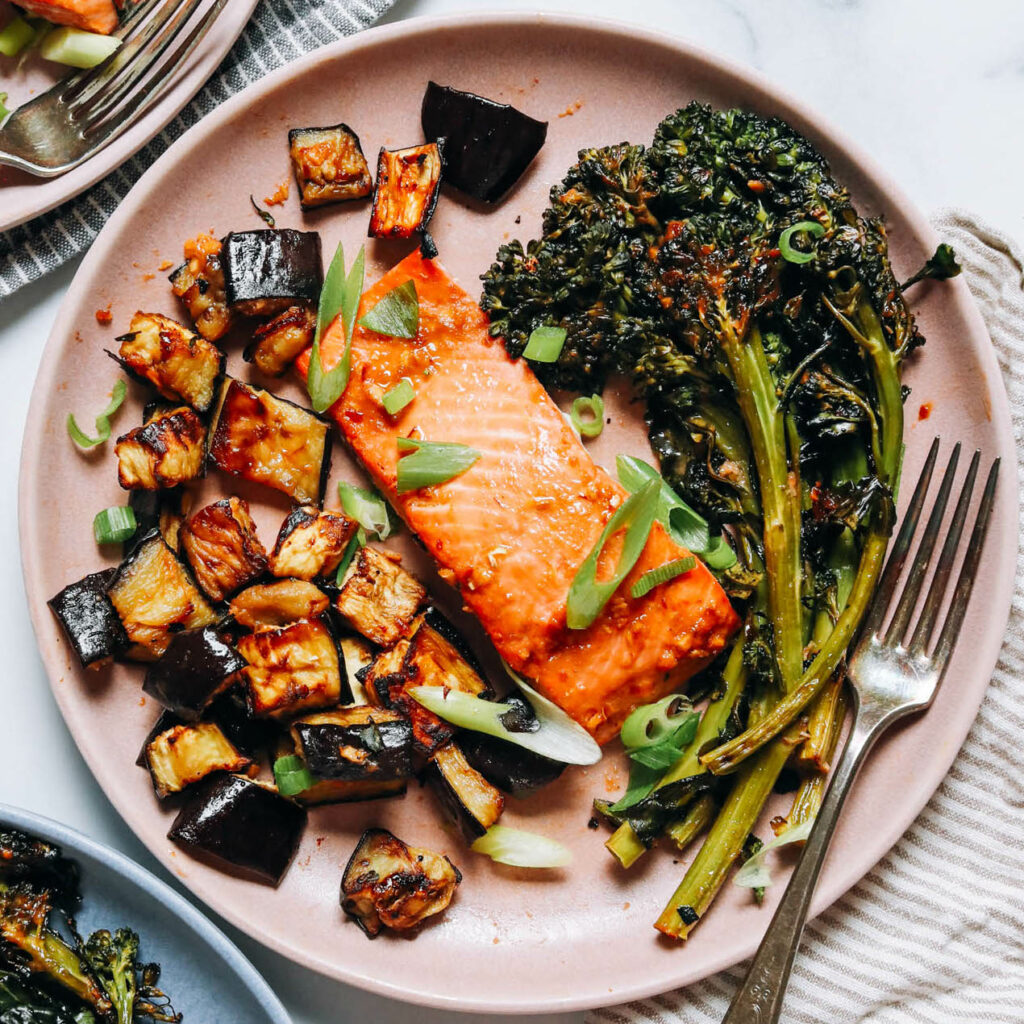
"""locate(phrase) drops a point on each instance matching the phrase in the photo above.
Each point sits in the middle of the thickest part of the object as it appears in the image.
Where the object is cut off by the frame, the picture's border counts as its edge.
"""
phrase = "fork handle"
(759, 999)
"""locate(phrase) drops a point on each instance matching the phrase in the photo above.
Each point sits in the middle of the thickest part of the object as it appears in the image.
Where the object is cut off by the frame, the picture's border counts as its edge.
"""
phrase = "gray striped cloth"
(935, 933)
(279, 32)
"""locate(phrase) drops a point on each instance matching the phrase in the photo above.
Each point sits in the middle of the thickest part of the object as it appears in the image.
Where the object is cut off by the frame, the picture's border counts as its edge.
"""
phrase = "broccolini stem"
(815, 752)
(807, 801)
(623, 842)
(757, 397)
(724, 843)
(885, 375)
(699, 815)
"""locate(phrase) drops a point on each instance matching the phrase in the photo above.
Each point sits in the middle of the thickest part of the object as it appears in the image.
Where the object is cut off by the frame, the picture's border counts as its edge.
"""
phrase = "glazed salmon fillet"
(90, 15)
(512, 530)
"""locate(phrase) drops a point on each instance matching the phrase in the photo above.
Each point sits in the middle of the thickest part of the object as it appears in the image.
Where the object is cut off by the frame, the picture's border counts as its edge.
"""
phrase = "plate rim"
(72, 841)
(808, 122)
(201, 67)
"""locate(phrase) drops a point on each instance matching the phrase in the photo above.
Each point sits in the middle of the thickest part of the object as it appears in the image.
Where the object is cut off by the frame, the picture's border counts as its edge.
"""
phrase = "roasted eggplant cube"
(276, 344)
(156, 598)
(291, 670)
(186, 754)
(265, 272)
(390, 885)
(512, 769)
(355, 744)
(197, 666)
(311, 543)
(165, 721)
(162, 510)
(271, 441)
(252, 736)
(474, 804)
(378, 598)
(220, 544)
(278, 604)
(408, 182)
(89, 620)
(439, 656)
(329, 165)
(168, 451)
(356, 655)
(487, 145)
(240, 823)
(199, 283)
(181, 365)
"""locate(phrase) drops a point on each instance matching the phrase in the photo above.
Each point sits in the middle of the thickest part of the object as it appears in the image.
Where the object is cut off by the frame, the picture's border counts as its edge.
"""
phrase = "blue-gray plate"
(206, 976)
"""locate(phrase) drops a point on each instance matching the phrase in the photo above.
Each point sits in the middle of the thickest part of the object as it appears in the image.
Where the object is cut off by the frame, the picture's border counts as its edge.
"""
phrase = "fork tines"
(899, 627)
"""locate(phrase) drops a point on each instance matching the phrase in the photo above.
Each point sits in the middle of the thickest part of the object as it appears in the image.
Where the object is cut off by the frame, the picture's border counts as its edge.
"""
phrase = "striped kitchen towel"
(279, 32)
(933, 933)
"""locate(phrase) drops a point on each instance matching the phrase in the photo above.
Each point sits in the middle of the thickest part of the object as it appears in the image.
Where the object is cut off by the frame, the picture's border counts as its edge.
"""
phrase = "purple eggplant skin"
(89, 620)
(192, 671)
(272, 266)
(387, 745)
(239, 823)
(488, 145)
(251, 735)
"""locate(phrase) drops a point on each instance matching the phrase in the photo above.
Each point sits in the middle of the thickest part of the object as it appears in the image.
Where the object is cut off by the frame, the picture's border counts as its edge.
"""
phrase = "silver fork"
(893, 672)
(87, 110)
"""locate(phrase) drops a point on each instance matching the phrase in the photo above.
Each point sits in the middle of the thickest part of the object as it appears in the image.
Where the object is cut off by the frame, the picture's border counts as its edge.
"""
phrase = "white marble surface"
(933, 88)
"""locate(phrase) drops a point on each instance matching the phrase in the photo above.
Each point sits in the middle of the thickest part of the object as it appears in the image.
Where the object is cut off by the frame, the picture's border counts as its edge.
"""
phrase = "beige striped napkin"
(935, 933)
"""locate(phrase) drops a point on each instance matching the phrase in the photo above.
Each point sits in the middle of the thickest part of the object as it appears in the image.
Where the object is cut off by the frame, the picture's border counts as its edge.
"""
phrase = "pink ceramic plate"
(23, 197)
(512, 941)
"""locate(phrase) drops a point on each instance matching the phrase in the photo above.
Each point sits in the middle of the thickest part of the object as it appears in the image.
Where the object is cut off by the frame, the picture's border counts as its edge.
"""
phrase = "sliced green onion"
(367, 508)
(688, 529)
(3, 108)
(652, 723)
(431, 463)
(593, 409)
(588, 595)
(573, 738)
(292, 776)
(16, 35)
(78, 49)
(102, 421)
(655, 577)
(339, 294)
(114, 525)
(810, 227)
(754, 874)
(398, 397)
(521, 849)
(356, 541)
(397, 314)
(479, 715)
(545, 344)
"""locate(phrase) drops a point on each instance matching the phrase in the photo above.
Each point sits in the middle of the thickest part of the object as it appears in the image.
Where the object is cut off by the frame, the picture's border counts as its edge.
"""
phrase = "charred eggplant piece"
(271, 441)
(167, 451)
(181, 365)
(329, 165)
(186, 754)
(89, 620)
(197, 666)
(390, 885)
(474, 804)
(357, 656)
(487, 145)
(276, 344)
(512, 769)
(162, 510)
(378, 598)
(408, 183)
(278, 604)
(311, 543)
(165, 721)
(241, 823)
(220, 544)
(199, 283)
(155, 598)
(265, 272)
(364, 752)
(291, 670)
(251, 735)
